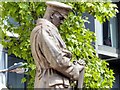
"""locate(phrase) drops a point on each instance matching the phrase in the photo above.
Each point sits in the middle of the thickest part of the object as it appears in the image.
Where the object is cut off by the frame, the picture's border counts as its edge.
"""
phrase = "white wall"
(3, 65)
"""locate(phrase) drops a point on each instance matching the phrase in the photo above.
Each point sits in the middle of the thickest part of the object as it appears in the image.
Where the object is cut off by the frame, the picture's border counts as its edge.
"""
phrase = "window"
(3, 65)
(107, 36)
(110, 33)
(13, 77)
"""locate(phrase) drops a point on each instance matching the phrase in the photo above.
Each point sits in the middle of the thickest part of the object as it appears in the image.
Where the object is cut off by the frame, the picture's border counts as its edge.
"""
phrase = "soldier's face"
(57, 19)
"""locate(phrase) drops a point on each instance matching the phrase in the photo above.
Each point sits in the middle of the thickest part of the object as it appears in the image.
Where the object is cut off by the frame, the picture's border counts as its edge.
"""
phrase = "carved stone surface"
(52, 59)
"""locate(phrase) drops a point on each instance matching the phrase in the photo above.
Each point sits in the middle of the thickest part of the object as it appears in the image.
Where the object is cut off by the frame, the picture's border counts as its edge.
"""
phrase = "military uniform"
(52, 59)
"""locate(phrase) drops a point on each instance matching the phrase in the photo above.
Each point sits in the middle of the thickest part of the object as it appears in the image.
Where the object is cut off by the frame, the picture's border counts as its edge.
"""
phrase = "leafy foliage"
(73, 31)
(25, 14)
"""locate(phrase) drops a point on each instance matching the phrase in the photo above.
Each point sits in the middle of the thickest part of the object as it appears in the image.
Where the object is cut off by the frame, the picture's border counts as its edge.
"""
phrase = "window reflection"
(110, 35)
(106, 34)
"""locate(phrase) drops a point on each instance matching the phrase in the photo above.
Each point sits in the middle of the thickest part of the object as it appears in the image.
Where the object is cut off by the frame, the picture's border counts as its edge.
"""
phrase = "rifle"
(80, 80)
(81, 75)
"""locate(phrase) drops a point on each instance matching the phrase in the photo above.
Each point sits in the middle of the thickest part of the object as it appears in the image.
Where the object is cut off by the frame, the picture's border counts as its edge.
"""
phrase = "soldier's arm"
(59, 58)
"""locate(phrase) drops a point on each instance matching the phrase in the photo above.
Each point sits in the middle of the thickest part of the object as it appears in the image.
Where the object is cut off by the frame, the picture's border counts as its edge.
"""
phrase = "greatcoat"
(51, 57)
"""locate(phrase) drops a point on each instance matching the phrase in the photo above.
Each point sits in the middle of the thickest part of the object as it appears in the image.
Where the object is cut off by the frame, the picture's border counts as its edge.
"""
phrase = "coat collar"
(45, 22)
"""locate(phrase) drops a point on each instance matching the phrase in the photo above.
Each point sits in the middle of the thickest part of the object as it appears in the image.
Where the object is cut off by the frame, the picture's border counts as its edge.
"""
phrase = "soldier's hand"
(81, 62)
(78, 69)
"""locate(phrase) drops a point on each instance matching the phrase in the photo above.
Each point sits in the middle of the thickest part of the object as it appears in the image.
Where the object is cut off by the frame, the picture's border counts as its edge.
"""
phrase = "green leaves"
(101, 11)
(25, 14)
(23, 6)
(78, 39)
(23, 80)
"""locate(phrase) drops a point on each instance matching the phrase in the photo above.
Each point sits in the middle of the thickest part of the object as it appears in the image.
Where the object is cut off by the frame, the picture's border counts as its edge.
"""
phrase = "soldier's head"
(56, 12)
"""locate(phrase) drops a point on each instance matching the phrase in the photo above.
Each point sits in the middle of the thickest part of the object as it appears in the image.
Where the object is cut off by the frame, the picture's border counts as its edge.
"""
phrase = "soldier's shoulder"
(45, 23)
(36, 28)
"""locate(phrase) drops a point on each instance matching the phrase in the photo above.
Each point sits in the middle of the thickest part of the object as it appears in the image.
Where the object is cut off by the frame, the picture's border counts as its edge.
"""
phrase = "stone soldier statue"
(52, 59)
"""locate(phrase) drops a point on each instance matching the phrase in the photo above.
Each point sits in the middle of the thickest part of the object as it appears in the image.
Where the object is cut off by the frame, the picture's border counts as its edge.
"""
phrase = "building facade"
(107, 47)
(10, 79)
(108, 44)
